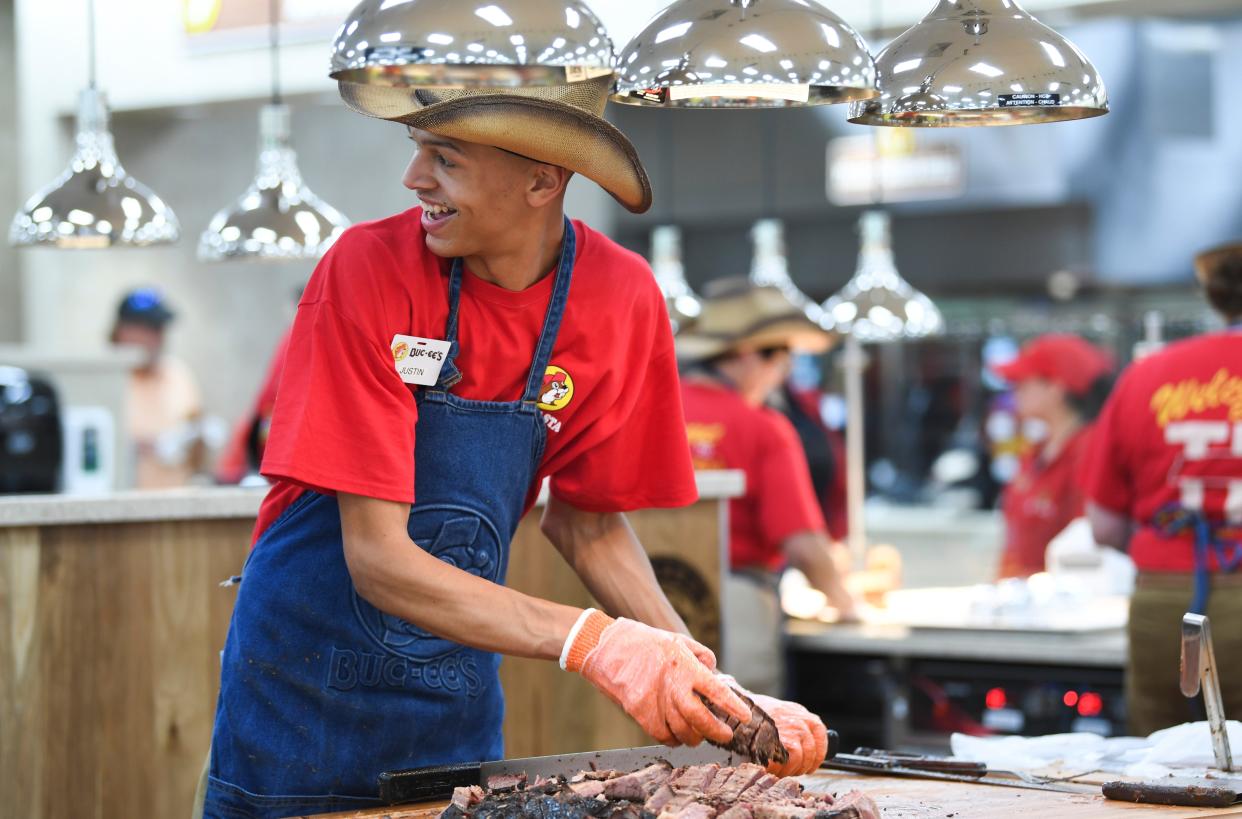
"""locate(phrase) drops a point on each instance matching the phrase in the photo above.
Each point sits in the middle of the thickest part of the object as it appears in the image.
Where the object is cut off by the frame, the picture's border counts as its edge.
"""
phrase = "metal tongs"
(1198, 671)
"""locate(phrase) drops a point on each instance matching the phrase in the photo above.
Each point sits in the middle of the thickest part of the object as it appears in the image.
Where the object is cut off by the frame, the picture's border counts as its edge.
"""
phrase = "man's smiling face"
(473, 196)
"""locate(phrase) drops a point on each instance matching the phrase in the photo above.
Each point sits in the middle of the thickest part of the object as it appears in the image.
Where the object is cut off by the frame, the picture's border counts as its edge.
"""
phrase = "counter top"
(215, 502)
(1105, 649)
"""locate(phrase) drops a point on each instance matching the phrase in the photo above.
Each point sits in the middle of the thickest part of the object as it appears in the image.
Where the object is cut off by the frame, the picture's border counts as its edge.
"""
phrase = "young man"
(1165, 482)
(414, 424)
(737, 355)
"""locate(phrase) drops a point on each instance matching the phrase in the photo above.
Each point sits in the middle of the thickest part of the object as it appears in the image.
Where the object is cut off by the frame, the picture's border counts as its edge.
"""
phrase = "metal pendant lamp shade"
(94, 203)
(770, 267)
(481, 44)
(682, 303)
(278, 218)
(877, 304)
(745, 54)
(981, 62)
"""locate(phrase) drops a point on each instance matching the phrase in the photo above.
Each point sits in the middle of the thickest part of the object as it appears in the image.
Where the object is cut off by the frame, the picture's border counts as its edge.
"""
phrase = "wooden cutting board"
(924, 799)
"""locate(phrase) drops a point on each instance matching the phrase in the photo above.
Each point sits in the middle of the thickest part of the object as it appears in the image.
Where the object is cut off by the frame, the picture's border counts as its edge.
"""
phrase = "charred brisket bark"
(757, 740)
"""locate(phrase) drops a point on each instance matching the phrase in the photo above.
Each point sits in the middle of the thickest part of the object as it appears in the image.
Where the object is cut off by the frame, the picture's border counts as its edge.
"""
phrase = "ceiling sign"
(890, 166)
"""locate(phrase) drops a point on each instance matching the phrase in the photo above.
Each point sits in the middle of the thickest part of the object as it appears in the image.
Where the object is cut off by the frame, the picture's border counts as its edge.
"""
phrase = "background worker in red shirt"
(415, 421)
(737, 354)
(1061, 382)
(1164, 480)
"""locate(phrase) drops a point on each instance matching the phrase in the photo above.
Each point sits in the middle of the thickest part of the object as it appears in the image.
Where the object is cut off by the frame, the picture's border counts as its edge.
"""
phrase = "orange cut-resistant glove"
(656, 676)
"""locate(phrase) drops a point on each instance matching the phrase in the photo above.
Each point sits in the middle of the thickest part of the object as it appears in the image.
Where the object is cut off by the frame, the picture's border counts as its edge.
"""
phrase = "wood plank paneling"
(110, 664)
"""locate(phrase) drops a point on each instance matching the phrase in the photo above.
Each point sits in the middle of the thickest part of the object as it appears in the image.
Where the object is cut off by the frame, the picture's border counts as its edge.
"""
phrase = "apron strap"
(556, 311)
(450, 375)
(1174, 520)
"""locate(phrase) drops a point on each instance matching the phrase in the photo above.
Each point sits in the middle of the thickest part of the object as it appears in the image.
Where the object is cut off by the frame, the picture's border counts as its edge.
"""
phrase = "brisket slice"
(743, 777)
(856, 805)
(761, 786)
(469, 796)
(638, 786)
(695, 779)
(694, 810)
(736, 812)
(757, 740)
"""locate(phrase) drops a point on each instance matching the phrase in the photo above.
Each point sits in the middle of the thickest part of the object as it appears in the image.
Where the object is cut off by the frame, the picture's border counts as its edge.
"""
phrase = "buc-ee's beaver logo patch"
(399, 351)
(557, 390)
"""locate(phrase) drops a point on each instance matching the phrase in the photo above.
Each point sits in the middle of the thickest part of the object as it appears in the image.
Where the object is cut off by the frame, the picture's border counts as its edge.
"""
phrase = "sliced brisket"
(638, 786)
(657, 792)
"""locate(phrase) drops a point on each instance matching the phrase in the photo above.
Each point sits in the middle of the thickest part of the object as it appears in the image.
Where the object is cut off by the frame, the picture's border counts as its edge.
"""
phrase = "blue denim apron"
(321, 691)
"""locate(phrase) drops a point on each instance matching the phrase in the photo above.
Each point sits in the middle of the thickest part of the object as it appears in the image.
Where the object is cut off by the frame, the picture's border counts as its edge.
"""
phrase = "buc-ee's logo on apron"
(557, 390)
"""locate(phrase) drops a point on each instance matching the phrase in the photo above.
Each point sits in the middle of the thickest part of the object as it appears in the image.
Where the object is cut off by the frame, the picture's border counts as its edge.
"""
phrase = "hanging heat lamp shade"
(682, 303)
(981, 62)
(458, 44)
(745, 54)
(278, 218)
(94, 203)
(877, 304)
(769, 266)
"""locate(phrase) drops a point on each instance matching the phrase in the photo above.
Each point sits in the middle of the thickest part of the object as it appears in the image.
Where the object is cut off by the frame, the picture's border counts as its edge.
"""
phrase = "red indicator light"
(1090, 704)
(995, 698)
(1070, 699)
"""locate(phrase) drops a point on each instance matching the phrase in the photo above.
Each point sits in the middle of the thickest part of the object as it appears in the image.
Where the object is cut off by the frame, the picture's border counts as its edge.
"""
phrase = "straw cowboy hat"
(738, 315)
(561, 125)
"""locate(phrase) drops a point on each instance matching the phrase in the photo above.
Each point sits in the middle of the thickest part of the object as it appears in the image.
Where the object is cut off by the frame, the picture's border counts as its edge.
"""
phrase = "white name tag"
(418, 360)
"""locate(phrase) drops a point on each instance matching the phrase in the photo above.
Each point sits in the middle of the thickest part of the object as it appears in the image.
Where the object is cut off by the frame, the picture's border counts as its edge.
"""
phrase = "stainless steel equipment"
(1198, 671)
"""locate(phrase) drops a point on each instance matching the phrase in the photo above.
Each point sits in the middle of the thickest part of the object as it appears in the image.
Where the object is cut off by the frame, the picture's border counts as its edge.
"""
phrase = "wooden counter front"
(112, 620)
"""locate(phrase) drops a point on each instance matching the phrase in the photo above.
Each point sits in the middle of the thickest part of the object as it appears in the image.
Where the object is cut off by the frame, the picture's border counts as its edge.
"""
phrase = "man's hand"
(656, 676)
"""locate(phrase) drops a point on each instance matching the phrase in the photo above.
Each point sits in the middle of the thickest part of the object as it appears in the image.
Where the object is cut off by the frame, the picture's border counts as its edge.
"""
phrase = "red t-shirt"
(725, 432)
(1040, 502)
(1172, 432)
(234, 462)
(345, 421)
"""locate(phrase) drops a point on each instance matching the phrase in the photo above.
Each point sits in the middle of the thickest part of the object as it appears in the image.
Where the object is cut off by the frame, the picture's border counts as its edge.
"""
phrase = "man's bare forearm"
(398, 577)
(811, 553)
(1109, 528)
(606, 554)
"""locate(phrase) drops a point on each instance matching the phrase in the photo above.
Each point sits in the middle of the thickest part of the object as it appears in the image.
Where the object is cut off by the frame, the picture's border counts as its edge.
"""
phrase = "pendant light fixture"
(745, 54)
(458, 44)
(94, 203)
(278, 218)
(683, 305)
(877, 304)
(769, 266)
(981, 62)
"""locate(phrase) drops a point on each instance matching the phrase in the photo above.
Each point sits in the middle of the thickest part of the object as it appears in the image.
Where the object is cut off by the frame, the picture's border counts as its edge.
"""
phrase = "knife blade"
(424, 784)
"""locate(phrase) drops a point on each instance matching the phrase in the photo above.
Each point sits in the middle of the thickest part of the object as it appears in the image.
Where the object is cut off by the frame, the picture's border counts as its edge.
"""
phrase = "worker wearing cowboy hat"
(737, 355)
(1164, 482)
(410, 436)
